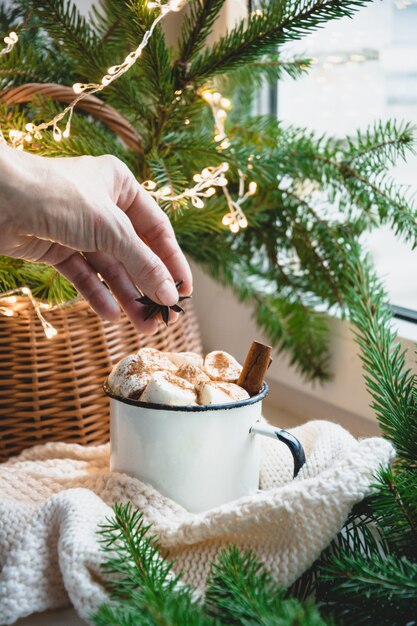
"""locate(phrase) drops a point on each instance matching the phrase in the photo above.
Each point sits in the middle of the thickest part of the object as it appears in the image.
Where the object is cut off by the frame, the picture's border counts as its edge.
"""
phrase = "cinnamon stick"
(254, 368)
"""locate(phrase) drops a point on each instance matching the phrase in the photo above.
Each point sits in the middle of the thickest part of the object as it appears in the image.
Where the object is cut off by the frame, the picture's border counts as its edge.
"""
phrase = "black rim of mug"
(189, 409)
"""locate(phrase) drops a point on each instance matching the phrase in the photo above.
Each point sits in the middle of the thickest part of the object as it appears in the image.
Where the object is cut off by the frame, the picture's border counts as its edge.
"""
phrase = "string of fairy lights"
(206, 181)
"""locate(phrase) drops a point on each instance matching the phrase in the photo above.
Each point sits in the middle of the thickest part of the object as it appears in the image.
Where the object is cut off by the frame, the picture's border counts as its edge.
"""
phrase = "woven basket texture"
(51, 390)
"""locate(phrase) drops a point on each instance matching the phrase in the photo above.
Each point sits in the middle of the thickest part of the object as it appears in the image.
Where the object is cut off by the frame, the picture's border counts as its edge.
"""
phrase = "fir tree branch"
(278, 23)
(388, 380)
(395, 508)
(144, 590)
(68, 28)
(240, 591)
(196, 27)
(381, 144)
(365, 590)
(143, 587)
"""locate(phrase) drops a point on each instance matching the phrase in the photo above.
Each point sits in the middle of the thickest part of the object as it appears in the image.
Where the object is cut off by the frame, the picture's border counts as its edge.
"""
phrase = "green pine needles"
(145, 591)
(368, 576)
(315, 193)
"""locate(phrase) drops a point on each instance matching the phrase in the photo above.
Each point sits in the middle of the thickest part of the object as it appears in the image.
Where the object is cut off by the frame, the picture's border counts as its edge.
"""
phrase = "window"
(365, 70)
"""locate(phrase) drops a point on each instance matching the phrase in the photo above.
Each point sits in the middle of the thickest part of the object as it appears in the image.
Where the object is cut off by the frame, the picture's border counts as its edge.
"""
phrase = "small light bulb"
(175, 5)
(112, 70)
(224, 167)
(11, 299)
(207, 96)
(227, 219)
(226, 103)
(206, 173)
(105, 80)
(210, 192)
(243, 222)
(234, 227)
(221, 181)
(50, 332)
(26, 291)
(252, 188)
(222, 114)
(186, 121)
(225, 144)
(11, 39)
(6, 312)
(15, 134)
(217, 97)
(30, 127)
(197, 178)
(78, 88)
(131, 57)
(149, 185)
(67, 132)
(197, 202)
(164, 191)
(57, 134)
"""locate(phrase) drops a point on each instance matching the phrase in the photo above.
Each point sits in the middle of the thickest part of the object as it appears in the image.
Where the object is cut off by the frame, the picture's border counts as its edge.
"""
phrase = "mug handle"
(292, 442)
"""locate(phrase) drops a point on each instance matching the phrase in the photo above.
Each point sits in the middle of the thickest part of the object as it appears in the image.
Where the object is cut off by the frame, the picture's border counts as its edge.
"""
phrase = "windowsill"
(226, 324)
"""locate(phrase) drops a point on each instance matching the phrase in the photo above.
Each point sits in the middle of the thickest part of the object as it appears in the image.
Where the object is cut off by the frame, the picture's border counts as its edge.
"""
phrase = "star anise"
(154, 308)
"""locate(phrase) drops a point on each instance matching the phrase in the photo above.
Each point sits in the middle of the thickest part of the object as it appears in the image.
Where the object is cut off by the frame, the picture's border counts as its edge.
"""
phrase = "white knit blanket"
(53, 497)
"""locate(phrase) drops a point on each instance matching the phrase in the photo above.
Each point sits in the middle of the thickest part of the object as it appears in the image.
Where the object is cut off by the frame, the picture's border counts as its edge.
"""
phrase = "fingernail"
(167, 293)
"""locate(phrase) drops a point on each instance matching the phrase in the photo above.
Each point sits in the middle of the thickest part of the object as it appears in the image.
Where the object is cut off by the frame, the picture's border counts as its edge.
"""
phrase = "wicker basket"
(51, 390)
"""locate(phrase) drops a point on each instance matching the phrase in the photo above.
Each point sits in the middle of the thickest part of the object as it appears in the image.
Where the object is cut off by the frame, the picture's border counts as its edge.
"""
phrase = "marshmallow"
(220, 365)
(193, 374)
(150, 360)
(124, 380)
(221, 393)
(181, 358)
(166, 388)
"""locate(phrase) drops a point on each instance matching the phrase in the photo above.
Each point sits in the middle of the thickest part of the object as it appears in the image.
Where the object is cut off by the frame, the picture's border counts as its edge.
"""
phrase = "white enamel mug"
(199, 456)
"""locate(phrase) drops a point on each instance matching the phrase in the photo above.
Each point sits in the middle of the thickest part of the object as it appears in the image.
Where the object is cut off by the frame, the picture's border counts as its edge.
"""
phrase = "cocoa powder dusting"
(221, 361)
(177, 381)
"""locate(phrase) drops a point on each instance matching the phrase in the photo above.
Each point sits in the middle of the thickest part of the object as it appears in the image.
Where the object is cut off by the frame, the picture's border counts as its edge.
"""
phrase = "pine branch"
(143, 587)
(388, 380)
(71, 32)
(271, 67)
(381, 144)
(145, 591)
(196, 27)
(395, 508)
(240, 591)
(367, 590)
(278, 23)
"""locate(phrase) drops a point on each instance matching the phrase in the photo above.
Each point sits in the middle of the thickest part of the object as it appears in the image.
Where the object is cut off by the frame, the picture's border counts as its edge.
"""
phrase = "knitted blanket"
(52, 498)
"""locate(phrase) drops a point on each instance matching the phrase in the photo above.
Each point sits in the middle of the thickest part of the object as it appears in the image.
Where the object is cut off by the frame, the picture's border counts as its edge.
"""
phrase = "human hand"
(51, 210)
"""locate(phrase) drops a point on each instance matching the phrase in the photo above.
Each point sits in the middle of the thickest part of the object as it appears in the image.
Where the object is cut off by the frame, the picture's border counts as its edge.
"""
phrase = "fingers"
(146, 269)
(153, 225)
(76, 269)
(125, 291)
